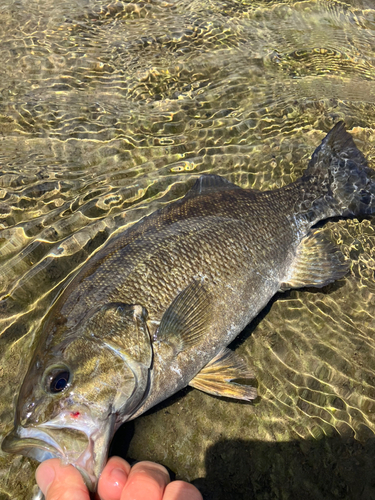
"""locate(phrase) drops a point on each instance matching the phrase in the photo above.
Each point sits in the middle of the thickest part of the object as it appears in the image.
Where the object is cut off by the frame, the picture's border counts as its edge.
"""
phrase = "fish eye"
(57, 379)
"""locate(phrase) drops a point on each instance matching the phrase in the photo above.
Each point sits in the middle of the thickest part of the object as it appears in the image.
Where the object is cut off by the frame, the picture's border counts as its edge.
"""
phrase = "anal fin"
(219, 375)
(317, 263)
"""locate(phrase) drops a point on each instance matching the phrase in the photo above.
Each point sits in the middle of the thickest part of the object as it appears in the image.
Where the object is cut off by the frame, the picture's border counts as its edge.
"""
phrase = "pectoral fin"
(186, 319)
(317, 263)
(218, 377)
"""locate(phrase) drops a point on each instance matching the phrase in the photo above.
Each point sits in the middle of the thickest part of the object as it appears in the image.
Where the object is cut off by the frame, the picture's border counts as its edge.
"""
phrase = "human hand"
(118, 481)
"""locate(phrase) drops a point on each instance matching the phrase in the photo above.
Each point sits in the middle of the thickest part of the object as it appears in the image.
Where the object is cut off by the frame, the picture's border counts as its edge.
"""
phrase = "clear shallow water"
(109, 111)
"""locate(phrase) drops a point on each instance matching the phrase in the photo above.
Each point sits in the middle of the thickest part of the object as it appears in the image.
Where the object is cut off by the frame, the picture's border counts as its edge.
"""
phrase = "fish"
(156, 307)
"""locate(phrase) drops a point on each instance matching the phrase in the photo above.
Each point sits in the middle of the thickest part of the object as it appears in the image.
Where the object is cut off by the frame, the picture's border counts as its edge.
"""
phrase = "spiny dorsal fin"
(210, 183)
(185, 321)
(317, 263)
(217, 377)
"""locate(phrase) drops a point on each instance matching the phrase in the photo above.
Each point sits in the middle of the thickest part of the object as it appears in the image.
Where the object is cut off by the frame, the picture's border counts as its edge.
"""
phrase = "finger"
(179, 490)
(146, 481)
(60, 482)
(113, 479)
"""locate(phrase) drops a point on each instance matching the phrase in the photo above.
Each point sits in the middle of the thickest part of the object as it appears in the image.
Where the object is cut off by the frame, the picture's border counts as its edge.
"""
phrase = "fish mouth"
(86, 450)
(40, 448)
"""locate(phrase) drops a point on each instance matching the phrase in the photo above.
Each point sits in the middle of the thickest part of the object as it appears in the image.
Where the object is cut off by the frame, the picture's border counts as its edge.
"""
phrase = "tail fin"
(339, 169)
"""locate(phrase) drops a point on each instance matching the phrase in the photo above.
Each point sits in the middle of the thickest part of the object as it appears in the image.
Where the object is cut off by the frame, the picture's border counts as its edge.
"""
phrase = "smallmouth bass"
(155, 309)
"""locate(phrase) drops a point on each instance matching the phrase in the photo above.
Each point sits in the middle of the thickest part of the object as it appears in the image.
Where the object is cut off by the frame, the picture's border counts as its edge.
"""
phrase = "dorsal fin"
(210, 183)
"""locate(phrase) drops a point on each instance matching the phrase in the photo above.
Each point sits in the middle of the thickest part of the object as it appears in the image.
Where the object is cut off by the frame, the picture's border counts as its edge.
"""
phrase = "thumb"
(60, 482)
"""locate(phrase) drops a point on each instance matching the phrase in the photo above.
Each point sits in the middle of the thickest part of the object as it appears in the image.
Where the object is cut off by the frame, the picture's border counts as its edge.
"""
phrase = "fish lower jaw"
(33, 443)
(38, 444)
(90, 458)
(84, 462)
(78, 439)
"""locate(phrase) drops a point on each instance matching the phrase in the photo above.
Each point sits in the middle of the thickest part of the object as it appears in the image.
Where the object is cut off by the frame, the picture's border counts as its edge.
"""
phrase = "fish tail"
(338, 180)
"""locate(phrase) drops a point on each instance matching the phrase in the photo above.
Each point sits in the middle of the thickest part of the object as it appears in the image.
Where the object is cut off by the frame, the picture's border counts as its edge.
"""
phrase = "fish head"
(80, 387)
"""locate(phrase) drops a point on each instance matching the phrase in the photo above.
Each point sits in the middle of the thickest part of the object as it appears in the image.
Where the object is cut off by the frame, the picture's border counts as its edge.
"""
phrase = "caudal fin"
(341, 173)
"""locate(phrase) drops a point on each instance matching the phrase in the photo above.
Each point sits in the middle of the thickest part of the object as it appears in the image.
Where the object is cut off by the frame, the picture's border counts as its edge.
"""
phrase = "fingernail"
(44, 477)
(118, 477)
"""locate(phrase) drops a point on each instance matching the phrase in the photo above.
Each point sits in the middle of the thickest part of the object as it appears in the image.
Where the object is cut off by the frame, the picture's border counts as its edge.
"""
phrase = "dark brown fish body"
(239, 243)
(154, 310)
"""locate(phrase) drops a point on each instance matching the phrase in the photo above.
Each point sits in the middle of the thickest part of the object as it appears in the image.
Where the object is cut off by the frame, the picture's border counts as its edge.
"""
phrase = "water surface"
(108, 112)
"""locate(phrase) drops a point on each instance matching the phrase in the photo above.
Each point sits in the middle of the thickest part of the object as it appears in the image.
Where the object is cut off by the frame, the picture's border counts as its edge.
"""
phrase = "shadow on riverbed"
(333, 468)
(330, 468)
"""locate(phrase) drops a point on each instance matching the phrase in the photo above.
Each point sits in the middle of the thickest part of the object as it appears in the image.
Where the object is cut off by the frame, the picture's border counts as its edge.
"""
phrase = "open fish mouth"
(85, 448)
(41, 447)
(39, 444)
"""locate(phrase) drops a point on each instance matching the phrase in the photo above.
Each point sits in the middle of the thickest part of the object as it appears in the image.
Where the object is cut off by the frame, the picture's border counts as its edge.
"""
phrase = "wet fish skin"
(154, 310)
